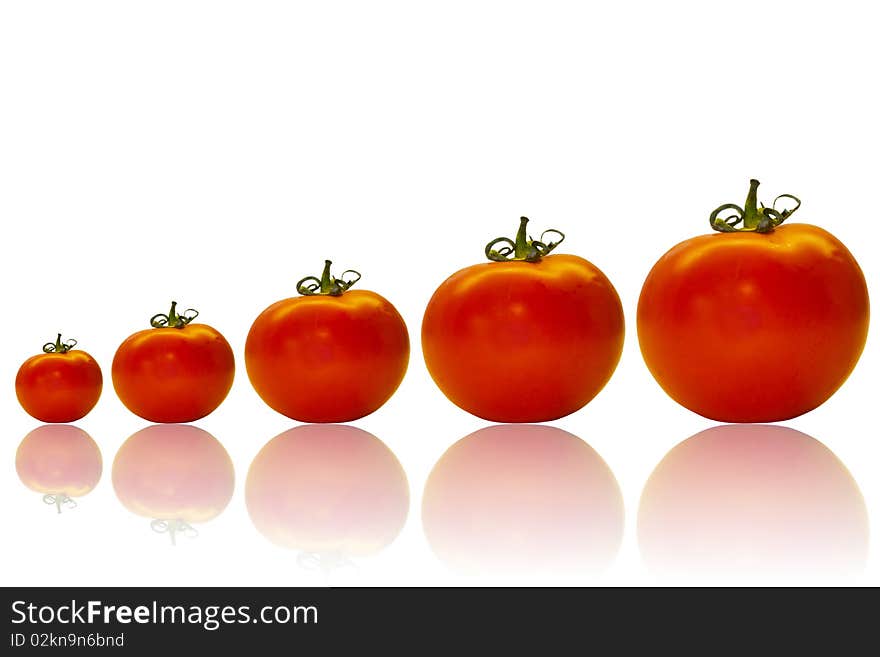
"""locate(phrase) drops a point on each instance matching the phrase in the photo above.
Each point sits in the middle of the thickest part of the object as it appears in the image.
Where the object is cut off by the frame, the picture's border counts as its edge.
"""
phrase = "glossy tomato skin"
(328, 358)
(171, 375)
(59, 387)
(751, 327)
(523, 341)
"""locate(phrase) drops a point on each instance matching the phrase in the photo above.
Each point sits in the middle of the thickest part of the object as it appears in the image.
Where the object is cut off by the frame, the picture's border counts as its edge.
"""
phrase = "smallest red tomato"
(59, 385)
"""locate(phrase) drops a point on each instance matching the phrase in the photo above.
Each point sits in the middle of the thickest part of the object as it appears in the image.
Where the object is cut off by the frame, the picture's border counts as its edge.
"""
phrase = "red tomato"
(174, 372)
(752, 500)
(527, 339)
(331, 355)
(60, 385)
(523, 498)
(60, 461)
(758, 325)
(176, 474)
(331, 491)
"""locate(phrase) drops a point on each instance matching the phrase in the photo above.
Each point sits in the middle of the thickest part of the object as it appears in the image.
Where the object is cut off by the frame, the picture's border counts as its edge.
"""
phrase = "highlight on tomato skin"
(177, 475)
(330, 355)
(177, 371)
(752, 500)
(60, 385)
(759, 322)
(528, 499)
(528, 337)
(60, 461)
(330, 492)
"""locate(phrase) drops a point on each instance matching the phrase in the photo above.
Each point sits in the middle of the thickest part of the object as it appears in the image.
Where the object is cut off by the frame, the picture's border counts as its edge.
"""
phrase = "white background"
(216, 152)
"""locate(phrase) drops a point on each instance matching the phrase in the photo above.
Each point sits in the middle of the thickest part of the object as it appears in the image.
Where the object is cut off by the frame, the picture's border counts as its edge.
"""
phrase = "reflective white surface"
(523, 500)
(331, 493)
(177, 475)
(752, 501)
(506, 504)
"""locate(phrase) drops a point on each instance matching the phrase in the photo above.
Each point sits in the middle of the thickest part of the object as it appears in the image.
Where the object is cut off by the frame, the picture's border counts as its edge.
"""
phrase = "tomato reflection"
(329, 491)
(752, 499)
(522, 497)
(60, 461)
(176, 474)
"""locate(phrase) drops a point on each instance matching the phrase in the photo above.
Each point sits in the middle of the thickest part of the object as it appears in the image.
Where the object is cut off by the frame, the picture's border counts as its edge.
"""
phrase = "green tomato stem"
(174, 319)
(751, 217)
(523, 248)
(327, 284)
(59, 347)
(754, 218)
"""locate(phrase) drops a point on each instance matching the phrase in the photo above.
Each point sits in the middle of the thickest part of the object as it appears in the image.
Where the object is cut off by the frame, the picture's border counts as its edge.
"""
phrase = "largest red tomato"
(528, 337)
(759, 323)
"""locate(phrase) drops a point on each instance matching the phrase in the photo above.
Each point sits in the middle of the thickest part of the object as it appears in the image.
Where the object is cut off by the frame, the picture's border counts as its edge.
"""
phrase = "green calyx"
(327, 285)
(753, 218)
(59, 347)
(173, 319)
(523, 248)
